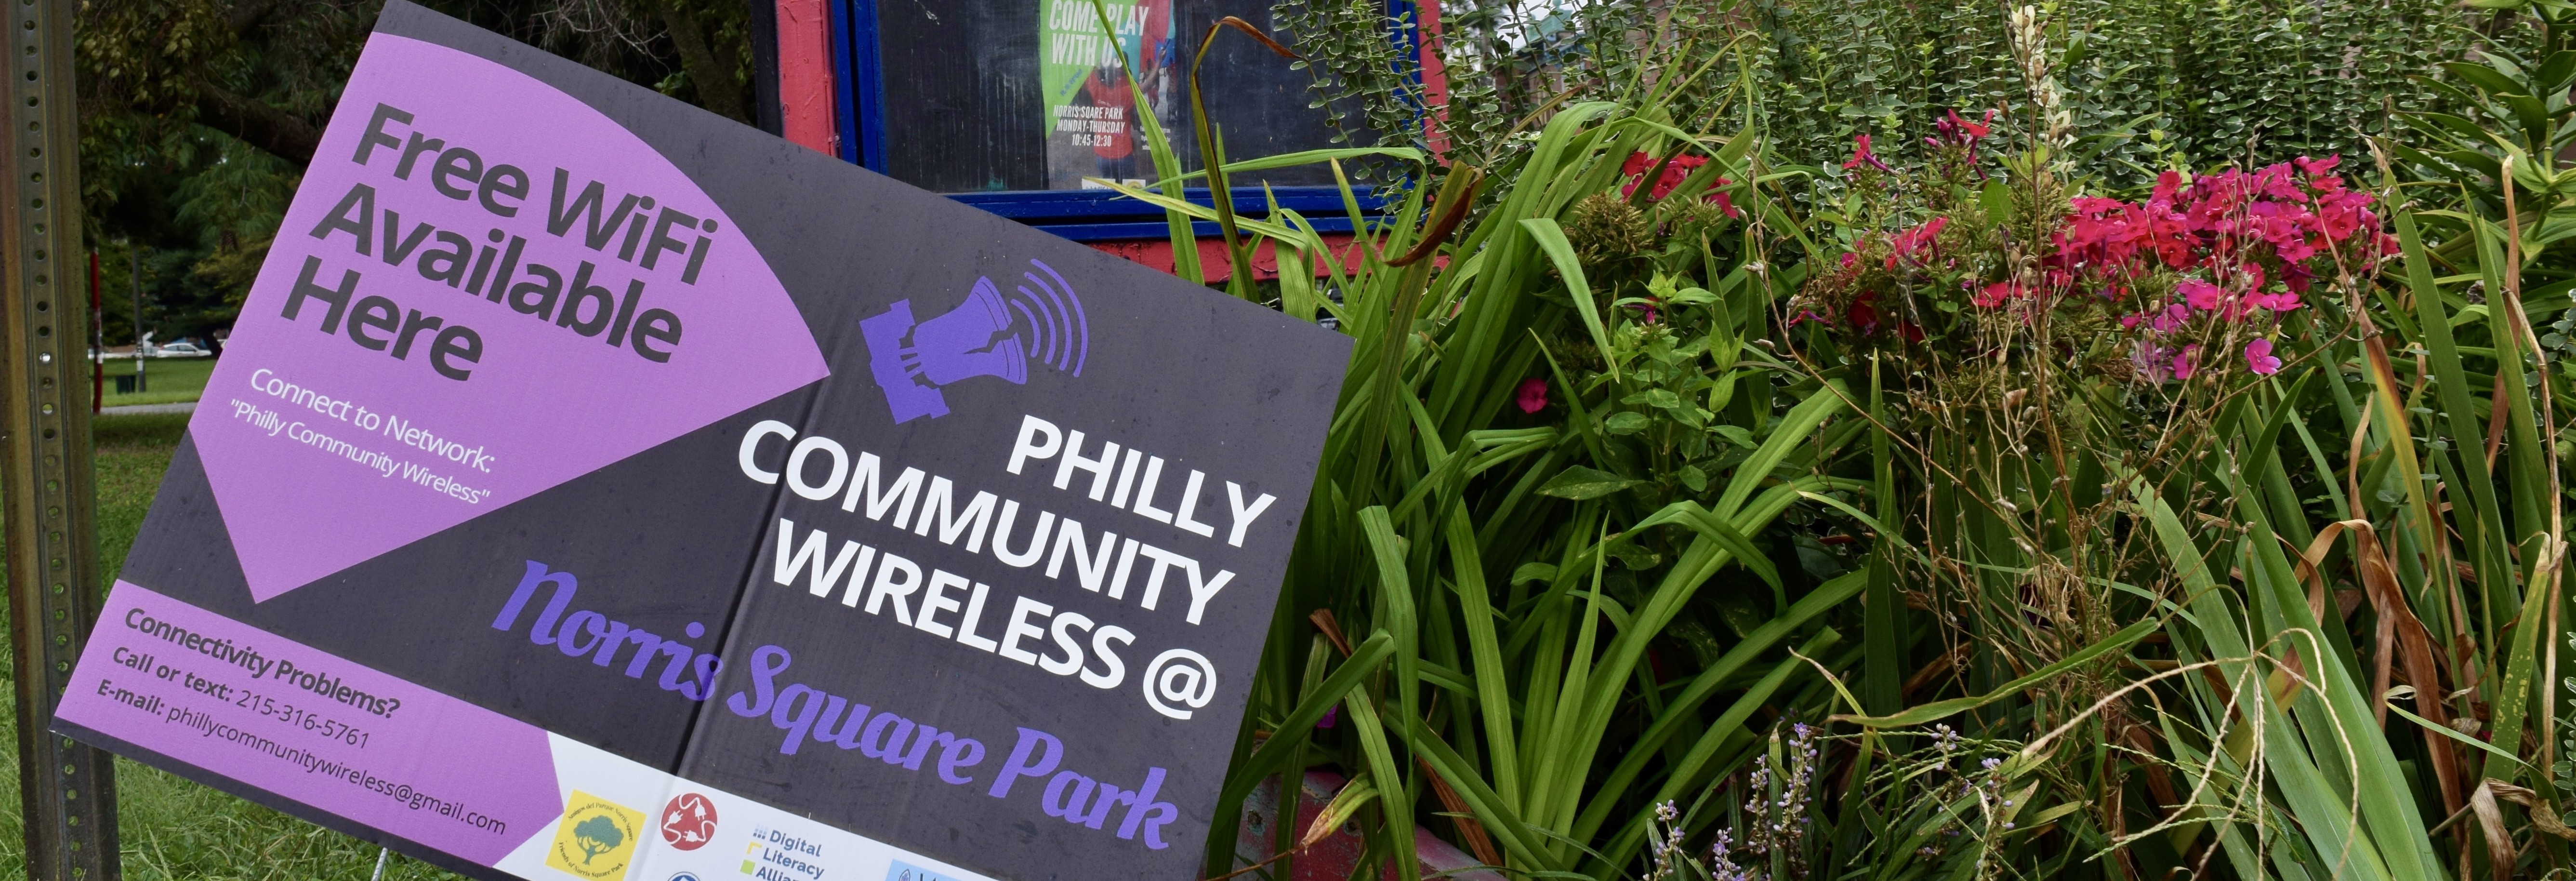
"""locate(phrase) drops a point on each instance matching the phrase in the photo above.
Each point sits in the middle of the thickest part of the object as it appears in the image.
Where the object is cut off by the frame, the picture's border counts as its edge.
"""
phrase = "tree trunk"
(717, 91)
(259, 125)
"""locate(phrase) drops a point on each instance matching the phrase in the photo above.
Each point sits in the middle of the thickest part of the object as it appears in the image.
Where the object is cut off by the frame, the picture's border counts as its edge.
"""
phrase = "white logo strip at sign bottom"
(837, 855)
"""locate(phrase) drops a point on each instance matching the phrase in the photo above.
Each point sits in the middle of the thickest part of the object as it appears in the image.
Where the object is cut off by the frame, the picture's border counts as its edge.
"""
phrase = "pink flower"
(2172, 318)
(2200, 294)
(2296, 276)
(1533, 395)
(2258, 358)
(2340, 214)
(2151, 361)
(2251, 276)
(2280, 302)
(1862, 156)
(2274, 181)
(1674, 173)
(2182, 361)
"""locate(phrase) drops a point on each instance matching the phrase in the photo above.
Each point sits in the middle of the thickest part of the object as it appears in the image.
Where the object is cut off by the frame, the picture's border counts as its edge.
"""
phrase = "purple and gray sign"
(594, 486)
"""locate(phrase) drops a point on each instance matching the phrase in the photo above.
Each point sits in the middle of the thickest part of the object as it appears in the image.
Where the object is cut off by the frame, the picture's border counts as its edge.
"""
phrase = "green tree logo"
(596, 839)
(597, 835)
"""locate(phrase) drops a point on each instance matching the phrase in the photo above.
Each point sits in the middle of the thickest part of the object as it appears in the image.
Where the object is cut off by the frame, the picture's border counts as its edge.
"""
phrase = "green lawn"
(165, 380)
(171, 828)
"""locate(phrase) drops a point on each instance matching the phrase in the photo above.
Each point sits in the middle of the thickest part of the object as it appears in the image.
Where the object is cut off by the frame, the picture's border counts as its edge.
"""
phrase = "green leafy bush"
(2018, 504)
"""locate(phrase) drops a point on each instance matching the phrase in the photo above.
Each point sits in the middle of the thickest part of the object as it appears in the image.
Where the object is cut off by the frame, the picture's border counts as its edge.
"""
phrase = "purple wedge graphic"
(307, 725)
(483, 288)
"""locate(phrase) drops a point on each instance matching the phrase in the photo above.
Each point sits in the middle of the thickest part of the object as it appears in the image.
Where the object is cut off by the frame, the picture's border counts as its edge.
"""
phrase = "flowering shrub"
(1671, 174)
(2201, 265)
(1782, 788)
(1949, 792)
(2057, 370)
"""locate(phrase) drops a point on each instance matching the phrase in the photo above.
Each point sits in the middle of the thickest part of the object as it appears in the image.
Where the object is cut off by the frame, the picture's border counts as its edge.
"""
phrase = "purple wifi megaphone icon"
(990, 334)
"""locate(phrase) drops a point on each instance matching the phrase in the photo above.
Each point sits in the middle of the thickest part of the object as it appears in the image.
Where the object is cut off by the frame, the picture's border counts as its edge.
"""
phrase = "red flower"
(1953, 130)
(1862, 314)
(2167, 184)
(1532, 395)
(1918, 239)
(2103, 238)
(2237, 226)
(1674, 173)
(1724, 204)
(1996, 294)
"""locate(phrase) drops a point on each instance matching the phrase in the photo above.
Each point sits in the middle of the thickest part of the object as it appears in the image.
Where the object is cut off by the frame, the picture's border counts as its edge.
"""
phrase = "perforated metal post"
(46, 492)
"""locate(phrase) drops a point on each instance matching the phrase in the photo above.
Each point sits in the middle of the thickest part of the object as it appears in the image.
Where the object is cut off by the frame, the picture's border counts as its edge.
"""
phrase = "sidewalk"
(140, 409)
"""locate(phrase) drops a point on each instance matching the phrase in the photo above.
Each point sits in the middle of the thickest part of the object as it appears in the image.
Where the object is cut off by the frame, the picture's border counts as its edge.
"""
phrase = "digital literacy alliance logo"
(991, 334)
(596, 839)
(688, 822)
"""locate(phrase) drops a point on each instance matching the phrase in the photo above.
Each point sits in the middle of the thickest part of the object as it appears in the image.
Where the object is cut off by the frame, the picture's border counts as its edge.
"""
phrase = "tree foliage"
(198, 116)
(2189, 83)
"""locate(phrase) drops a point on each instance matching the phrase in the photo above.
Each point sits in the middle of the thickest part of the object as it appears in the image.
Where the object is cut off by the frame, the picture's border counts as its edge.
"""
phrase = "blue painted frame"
(867, 78)
(1079, 215)
(844, 116)
(1104, 215)
(858, 83)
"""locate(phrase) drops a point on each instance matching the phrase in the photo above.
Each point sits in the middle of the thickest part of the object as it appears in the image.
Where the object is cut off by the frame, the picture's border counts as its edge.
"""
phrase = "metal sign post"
(46, 492)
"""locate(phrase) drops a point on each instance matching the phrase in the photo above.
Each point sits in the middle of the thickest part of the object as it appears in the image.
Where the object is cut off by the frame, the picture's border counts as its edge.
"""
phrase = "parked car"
(178, 350)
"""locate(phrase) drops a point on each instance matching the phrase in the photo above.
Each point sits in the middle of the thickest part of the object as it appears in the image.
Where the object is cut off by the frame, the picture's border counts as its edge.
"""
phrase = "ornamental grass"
(1988, 511)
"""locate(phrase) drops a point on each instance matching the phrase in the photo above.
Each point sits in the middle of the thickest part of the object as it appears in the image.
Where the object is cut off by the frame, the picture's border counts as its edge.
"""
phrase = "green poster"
(1091, 125)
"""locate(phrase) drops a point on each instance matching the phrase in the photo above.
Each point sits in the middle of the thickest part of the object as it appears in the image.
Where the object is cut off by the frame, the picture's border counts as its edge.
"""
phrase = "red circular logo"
(689, 821)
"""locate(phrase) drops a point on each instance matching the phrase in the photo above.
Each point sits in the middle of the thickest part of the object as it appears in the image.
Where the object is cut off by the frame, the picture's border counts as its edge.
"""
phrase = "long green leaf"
(1493, 682)
(1381, 761)
(1551, 240)
(1938, 710)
